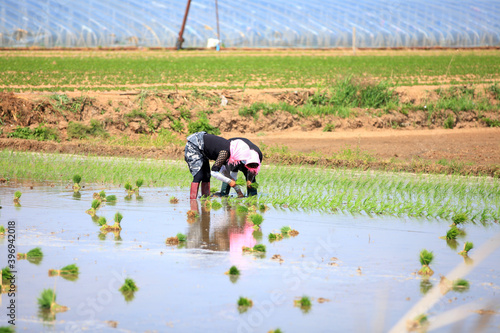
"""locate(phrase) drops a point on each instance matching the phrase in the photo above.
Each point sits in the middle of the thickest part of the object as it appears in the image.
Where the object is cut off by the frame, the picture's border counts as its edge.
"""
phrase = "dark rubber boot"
(224, 189)
(251, 191)
(194, 191)
(205, 189)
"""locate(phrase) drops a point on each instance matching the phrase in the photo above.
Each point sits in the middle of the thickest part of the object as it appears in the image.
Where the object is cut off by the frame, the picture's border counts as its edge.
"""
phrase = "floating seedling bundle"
(69, 272)
(259, 248)
(115, 227)
(304, 303)
(426, 258)
(129, 189)
(288, 231)
(174, 200)
(275, 236)
(76, 183)
(244, 304)
(47, 301)
(175, 240)
(256, 220)
(233, 271)
(138, 184)
(419, 324)
(2, 230)
(128, 289)
(467, 247)
(460, 285)
(35, 253)
(17, 198)
(94, 207)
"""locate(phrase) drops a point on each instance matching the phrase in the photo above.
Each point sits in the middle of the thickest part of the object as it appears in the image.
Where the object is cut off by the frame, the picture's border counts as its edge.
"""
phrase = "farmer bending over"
(201, 148)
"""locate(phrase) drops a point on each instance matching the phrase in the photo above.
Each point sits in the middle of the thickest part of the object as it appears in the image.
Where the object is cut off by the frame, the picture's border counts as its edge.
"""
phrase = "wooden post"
(180, 40)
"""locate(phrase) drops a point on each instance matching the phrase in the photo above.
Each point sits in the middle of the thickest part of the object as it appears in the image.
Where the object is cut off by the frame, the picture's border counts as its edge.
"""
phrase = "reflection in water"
(229, 232)
(452, 244)
(77, 195)
(425, 286)
(117, 236)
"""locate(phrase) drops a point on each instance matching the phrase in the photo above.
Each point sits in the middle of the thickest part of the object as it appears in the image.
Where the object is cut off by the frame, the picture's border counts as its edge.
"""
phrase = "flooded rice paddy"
(359, 271)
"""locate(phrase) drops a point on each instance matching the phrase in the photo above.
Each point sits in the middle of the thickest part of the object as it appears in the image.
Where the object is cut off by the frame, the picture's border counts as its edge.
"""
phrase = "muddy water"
(370, 286)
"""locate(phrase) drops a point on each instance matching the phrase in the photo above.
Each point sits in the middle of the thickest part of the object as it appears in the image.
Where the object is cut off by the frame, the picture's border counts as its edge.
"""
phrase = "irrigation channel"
(360, 271)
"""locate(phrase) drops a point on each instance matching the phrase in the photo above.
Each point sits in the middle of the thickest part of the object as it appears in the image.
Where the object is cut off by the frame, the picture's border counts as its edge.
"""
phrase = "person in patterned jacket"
(202, 147)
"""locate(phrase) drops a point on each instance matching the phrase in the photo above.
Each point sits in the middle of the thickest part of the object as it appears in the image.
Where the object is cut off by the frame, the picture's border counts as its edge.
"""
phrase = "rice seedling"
(17, 197)
(69, 272)
(419, 324)
(426, 258)
(76, 183)
(116, 225)
(6, 274)
(138, 184)
(467, 247)
(256, 219)
(7, 329)
(102, 221)
(94, 207)
(460, 285)
(175, 240)
(192, 214)
(129, 286)
(304, 303)
(233, 271)
(47, 301)
(275, 331)
(129, 189)
(260, 248)
(174, 200)
(244, 304)
(459, 218)
(33, 253)
(263, 207)
(288, 231)
(241, 209)
(275, 237)
(111, 198)
(451, 234)
(102, 195)
(216, 205)
(285, 230)
(2, 230)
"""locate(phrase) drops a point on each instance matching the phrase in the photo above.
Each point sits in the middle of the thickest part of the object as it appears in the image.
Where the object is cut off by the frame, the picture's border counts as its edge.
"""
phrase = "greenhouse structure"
(250, 24)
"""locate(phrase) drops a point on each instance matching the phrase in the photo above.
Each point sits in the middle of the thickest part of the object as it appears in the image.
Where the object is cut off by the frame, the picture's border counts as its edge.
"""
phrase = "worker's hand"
(249, 183)
(232, 183)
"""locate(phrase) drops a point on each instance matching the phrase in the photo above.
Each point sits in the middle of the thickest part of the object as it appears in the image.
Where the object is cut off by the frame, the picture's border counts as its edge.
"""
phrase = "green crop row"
(239, 71)
(305, 188)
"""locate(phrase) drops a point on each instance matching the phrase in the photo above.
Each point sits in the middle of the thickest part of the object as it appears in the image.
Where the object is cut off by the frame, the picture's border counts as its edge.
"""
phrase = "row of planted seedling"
(317, 189)
(430, 196)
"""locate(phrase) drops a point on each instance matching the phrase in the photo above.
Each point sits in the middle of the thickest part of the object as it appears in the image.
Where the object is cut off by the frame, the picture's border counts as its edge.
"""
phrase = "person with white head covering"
(201, 148)
(250, 169)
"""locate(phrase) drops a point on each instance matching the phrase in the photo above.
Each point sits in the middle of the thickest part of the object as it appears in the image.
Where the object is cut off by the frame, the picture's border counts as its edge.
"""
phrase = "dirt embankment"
(392, 136)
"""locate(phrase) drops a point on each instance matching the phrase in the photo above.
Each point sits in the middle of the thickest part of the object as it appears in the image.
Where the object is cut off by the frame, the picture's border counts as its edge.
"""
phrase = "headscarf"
(239, 151)
(253, 158)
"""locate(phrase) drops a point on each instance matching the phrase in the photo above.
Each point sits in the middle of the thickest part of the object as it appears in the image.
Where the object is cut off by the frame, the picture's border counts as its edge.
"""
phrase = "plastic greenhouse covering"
(254, 24)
